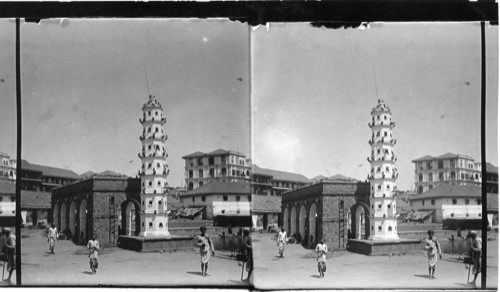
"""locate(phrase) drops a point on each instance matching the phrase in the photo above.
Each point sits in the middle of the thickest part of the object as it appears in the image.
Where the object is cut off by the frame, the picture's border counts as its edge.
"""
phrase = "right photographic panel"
(366, 152)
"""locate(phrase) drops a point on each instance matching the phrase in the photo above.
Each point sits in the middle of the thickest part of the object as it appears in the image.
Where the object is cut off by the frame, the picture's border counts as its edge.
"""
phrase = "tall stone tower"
(154, 171)
(383, 175)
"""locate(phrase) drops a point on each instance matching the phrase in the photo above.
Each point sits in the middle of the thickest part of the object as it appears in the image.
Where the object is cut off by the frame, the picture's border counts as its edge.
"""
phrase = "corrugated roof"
(444, 156)
(35, 200)
(220, 187)
(7, 188)
(451, 191)
(280, 175)
(48, 170)
(266, 204)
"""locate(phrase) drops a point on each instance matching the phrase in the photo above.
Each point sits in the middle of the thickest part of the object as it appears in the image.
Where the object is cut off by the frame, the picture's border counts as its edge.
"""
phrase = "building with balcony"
(219, 165)
(7, 168)
(36, 183)
(447, 169)
(492, 194)
(275, 182)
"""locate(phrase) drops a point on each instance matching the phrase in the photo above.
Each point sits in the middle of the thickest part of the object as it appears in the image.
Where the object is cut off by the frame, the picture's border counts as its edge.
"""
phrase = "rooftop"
(491, 168)
(35, 200)
(7, 188)
(266, 204)
(280, 175)
(213, 153)
(451, 191)
(220, 187)
(49, 170)
(448, 155)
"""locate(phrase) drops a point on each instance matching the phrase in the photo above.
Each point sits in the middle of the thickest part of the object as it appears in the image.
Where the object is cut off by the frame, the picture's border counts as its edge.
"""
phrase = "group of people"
(92, 246)
(434, 250)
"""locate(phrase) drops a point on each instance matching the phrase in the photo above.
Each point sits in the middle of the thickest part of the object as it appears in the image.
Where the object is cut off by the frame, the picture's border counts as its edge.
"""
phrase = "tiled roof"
(425, 158)
(492, 202)
(35, 200)
(451, 191)
(491, 168)
(7, 188)
(48, 170)
(213, 153)
(266, 204)
(220, 187)
(447, 156)
(280, 175)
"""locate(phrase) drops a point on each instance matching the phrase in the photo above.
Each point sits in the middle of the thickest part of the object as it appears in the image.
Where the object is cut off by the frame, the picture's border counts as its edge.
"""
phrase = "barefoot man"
(206, 248)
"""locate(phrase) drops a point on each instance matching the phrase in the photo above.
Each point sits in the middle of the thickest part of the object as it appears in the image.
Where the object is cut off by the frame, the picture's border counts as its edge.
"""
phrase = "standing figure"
(10, 251)
(52, 238)
(321, 250)
(282, 240)
(206, 248)
(433, 249)
(249, 253)
(93, 247)
(476, 254)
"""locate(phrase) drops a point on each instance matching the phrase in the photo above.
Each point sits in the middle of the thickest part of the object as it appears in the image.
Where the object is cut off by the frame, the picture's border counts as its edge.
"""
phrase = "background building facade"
(7, 168)
(449, 168)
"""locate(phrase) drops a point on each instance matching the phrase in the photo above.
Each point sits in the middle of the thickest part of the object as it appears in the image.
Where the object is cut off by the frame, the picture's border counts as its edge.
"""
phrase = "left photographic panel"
(8, 153)
(113, 112)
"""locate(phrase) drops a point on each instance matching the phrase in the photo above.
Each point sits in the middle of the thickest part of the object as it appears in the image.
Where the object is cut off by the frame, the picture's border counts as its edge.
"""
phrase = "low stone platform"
(370, 247)
(152, 244)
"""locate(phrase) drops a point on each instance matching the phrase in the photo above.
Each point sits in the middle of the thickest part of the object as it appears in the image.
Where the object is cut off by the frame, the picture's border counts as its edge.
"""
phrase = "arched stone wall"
(355, 217)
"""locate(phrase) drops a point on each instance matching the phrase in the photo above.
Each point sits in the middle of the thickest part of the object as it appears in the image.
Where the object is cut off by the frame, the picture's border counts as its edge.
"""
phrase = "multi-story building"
(219, 165)
(274, 182)
(7, 203)
(492, 194)
(456, 202)
(7, 168)
(36, 183)
(448, 169)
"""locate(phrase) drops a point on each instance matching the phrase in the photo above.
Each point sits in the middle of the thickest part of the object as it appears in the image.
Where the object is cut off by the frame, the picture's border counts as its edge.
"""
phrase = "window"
(149, 129)
(224, 198)
(203, 198)
(452, 163)
(454, 201)
(238, 198)
(452, 215)
(441, 176)
(478, 201)
(378, 118)
(149, 113)
(142, 224)
(420, 189)
(200, 184)
(452, 175)
(190, 173)
(440, 164)
(223, 211)
(149, 165)
(150, 224)
(156, 113)
(429, 165)
(423, 202)
(1, 198)
(159, 202)
(211, 172)
(379, 207)
(200, 161)
(193, 199)
(150, 202)
(466, 201)
(420, 178)
(390, 228)
(150, 183)
(161, 225)
(388, 206)
(430, 176)
(156, 129)
(479, 214)
(190, 186)
(431, 187)
(433, 202)
(211, 160)
(380, 228)
(249, 198)
(385, 117)
(200, 173)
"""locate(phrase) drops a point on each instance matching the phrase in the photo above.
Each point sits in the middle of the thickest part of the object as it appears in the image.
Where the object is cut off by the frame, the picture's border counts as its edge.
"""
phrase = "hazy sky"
(84, 85)
(314, 89)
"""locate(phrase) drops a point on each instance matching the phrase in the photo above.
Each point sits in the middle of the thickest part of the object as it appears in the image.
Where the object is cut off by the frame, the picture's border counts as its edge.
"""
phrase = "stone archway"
(355, 218)
(63, 214)
(55, 216)
(312, 223)
(83, 220)
(302, 222)
(72, 219)
(293, 221)
(131, 219)
(286, 219)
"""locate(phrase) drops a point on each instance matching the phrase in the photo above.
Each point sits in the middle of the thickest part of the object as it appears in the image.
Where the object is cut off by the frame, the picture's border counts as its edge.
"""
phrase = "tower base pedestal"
(155, 243)
(384, 247)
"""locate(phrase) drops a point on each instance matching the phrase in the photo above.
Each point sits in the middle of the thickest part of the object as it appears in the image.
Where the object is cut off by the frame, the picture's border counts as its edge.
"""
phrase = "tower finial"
(147, 83)
(376, 88)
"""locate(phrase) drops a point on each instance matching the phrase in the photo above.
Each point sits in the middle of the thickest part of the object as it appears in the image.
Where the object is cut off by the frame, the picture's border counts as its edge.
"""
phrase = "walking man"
(433, 249)
(10, 250)
(321, 250)
(249, 253)
(476, 254)
(206, 248)
(52, 238)
(282, 240)
(93, 247)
